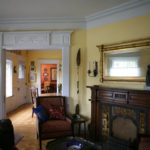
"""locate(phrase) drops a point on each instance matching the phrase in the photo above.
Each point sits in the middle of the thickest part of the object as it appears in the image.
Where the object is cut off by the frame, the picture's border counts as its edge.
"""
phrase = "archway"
(50, 40)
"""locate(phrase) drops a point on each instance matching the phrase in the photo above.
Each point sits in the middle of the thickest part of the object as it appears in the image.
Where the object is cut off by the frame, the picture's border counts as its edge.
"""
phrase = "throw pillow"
(56, 112)
(41, 113)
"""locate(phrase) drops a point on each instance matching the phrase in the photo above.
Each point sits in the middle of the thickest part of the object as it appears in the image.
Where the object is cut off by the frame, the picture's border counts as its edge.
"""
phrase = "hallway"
(25, 125)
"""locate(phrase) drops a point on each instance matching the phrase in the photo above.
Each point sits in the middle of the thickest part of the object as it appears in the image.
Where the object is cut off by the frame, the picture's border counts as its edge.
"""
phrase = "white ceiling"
(67, 14)
(54, 8)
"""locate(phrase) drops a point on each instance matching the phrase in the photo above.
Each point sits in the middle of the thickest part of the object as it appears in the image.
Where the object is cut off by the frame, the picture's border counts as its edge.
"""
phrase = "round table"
(61, 143)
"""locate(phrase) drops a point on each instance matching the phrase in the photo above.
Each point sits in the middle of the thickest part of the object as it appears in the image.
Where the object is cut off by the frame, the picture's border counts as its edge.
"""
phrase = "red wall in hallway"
(45, 68)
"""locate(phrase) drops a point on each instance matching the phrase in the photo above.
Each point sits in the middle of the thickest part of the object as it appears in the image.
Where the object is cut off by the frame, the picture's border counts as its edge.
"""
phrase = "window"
(9, 78)
(124, 66)
(21, 71)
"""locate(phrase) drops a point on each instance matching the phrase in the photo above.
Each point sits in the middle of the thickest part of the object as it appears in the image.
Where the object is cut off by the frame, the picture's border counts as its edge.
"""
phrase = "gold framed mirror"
(126, 61)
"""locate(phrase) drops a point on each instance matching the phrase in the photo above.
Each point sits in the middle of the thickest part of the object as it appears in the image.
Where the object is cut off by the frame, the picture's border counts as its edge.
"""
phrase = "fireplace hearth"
(118, 116)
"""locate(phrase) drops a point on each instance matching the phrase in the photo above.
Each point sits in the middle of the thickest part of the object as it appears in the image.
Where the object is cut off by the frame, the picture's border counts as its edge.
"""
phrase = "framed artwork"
(32, 77)
(53, 72)
(45, 69)
(32, 68)
(45, 74)
(45, 79)
(32, 63)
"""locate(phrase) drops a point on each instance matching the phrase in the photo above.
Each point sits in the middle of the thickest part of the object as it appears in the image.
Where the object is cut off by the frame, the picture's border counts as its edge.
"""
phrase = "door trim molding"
(46, 40)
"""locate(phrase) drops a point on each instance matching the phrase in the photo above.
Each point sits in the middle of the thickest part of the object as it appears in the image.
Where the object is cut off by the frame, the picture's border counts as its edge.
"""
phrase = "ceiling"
(55, 8)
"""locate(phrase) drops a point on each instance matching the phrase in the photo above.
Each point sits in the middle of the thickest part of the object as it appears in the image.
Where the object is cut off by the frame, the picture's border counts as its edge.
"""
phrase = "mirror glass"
(126, 63)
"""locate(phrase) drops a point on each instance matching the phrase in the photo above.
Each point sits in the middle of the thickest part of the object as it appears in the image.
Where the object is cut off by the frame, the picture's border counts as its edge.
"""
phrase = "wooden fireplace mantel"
(117, 96)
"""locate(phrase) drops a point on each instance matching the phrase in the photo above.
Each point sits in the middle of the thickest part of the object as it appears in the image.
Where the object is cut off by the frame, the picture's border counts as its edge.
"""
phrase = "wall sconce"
(95, 69)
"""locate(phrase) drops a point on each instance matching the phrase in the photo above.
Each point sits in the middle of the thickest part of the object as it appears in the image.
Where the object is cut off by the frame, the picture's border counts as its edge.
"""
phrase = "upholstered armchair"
(56, 123)
(7, 139)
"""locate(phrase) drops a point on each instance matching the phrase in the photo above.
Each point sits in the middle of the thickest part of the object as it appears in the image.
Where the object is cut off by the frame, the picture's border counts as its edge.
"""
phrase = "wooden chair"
(46, 84)
(34, 95)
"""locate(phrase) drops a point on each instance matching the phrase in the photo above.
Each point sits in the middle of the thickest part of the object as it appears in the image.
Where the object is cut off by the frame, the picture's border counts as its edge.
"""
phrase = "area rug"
(18, 138)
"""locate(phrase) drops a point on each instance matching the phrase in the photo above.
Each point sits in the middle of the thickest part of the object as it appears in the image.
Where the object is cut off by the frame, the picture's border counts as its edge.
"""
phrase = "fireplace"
(119, 115)
(120, 125)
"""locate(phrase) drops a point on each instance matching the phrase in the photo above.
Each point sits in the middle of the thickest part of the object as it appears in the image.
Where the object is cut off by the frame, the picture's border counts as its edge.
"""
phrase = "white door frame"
(40, 62)
(46, 40)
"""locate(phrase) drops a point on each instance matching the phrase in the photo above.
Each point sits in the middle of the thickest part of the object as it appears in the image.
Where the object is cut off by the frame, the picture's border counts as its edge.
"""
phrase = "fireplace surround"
(119, 115)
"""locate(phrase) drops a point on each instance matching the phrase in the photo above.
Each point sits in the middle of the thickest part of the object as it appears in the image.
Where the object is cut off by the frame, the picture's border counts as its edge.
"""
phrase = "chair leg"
(40, 142)
(32, 112)
(37, 136)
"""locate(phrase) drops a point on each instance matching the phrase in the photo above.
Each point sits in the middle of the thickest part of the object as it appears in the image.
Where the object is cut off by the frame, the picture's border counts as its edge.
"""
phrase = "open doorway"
(48, 78)
(49, 40)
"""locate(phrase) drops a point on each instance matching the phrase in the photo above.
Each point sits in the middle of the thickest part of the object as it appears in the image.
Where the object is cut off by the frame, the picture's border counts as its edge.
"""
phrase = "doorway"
(49, 78)
(43, 40)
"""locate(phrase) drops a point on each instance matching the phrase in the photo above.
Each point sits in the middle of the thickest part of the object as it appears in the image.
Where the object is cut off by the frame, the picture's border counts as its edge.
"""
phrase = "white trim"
(59, 40)
(40, 24)
(36, 40)
(2, 79)
(127, 10)
(2, 83)
(40, 62)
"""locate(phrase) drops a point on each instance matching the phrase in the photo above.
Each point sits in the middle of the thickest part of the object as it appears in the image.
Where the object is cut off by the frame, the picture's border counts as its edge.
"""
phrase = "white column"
(65, 72)
(2, 79)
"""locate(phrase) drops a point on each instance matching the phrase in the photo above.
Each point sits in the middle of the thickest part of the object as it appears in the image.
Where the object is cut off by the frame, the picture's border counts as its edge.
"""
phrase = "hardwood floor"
(25, 125)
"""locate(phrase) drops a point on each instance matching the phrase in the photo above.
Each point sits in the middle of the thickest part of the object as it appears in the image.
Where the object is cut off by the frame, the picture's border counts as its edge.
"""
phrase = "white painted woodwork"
(40, 62)
(19, 92)
(21, 83)
(2, 79)
(58, 40)
(36, 40)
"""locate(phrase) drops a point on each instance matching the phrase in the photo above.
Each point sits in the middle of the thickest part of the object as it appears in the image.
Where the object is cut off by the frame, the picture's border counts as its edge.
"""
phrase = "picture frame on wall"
(45, 79)
(32, 68)
(53, 72)
(45, 74)
(32, 77)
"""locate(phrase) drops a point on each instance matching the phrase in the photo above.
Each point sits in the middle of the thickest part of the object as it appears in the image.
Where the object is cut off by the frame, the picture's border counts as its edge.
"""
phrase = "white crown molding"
(128, 10)
(42, 23)
(125, 11)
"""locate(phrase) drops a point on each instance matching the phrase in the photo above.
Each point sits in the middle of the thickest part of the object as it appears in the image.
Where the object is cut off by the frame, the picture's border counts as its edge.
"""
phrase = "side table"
(79, 121)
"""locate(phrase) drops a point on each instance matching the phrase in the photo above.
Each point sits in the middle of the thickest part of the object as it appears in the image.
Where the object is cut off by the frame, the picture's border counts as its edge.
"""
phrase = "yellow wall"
(41, 55)
(78, 40)
(15, 64)
(130, 29)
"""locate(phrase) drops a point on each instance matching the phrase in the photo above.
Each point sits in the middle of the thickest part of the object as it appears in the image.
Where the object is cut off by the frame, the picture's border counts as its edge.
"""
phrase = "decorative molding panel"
(26, 39)
(60, 38)
(36, 40)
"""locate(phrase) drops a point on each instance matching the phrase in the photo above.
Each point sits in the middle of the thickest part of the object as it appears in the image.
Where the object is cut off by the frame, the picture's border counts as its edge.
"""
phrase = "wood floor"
(25, 125)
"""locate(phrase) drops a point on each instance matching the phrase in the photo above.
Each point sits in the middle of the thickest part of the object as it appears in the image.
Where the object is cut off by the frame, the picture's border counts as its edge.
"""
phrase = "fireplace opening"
(120, 125)
(124, 128)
